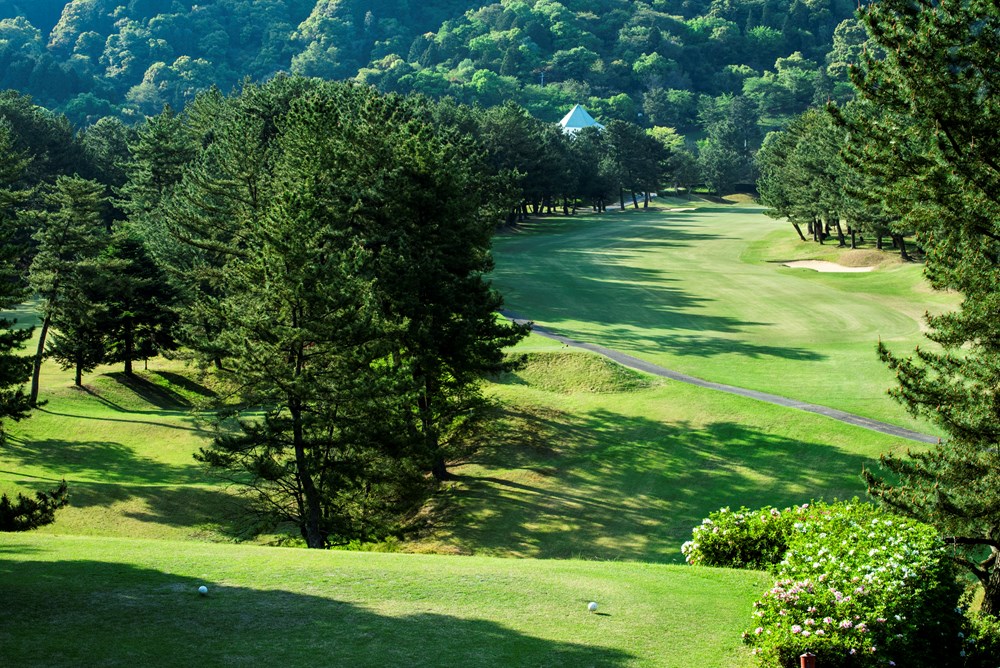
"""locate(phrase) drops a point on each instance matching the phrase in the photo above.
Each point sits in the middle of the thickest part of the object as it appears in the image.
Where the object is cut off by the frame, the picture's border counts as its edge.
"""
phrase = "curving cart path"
(641, 365)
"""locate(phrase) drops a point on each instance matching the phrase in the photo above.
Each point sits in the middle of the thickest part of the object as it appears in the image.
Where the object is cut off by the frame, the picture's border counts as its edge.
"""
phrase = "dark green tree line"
(22, 513)
(339, 240)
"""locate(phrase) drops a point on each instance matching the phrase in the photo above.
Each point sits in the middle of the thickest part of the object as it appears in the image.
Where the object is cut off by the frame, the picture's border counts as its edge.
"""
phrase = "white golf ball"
(203, 590)
(592, 606)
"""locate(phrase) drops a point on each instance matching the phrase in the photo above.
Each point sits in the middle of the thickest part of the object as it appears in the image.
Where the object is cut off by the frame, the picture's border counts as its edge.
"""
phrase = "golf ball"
(592, 606)
(203, 590)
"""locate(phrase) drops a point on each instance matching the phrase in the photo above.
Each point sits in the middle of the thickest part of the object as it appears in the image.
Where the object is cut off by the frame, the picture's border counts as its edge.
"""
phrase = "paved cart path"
(642, 365)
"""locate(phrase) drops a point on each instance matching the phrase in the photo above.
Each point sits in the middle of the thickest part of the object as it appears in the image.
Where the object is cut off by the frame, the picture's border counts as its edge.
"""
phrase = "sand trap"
(821, 265)
(691, 208)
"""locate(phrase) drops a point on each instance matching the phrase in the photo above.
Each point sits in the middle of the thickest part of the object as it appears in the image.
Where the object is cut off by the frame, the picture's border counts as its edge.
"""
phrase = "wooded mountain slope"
(659, 62)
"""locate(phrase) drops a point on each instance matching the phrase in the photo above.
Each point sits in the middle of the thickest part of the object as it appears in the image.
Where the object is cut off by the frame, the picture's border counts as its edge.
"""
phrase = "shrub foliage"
(854, 585)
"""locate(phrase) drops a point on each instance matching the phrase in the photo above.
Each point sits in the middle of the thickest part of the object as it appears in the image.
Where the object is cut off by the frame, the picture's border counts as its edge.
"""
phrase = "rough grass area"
(108, 602)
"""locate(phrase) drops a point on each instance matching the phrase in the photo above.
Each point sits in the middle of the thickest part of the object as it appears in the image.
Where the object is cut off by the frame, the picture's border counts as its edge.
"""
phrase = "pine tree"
(23, 513)
(137, 301)
(353, 307)
(934, 142)
(15, 368)
(70, 232)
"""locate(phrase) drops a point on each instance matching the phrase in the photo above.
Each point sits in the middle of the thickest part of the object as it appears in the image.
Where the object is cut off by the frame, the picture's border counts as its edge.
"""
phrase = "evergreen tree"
(352, 306)
(941, 176)
(137, 301)
(15, 368)
(24, 512)
(70, 232)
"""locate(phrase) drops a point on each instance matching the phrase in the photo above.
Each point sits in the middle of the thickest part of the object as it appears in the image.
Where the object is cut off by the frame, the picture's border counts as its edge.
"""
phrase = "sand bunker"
(691, 208)
(821, 265)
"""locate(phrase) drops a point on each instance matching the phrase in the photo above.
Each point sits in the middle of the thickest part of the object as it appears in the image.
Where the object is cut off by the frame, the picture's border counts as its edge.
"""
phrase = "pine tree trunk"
(36, 368)
(621, 197)
(129, 348)
(840, 235)
(432, 445)
(991, 597)
(799, 230)
(311, 530)
(897, 240)
(635, 201)
(79, 375)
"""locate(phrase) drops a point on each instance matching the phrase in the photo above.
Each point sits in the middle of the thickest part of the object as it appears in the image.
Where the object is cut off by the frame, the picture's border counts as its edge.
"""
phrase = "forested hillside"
(658, 63)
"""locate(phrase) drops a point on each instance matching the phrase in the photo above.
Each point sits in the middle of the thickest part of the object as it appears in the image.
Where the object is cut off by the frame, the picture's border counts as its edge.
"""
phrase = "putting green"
(704, 292)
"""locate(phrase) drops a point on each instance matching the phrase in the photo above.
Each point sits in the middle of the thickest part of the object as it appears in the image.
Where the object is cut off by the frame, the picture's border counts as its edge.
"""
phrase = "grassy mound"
(571, 372)
(868, 258)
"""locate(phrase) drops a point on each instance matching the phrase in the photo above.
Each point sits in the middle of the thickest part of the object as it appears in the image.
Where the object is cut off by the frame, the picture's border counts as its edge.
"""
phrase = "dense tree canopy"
(929, 146)
(328, 246)
(96, 58)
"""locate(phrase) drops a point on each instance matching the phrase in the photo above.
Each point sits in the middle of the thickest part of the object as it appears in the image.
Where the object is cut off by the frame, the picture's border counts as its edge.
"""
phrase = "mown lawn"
(112, 602)
(597, 461)
(704, 292)
(594, 477)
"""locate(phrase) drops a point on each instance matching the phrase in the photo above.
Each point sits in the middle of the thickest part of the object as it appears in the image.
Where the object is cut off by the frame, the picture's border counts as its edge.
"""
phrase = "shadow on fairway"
(187, 384)
(608, 486)
(162, 398)
(102, 418)
(104, 461)
(99, 613)
(638, 308)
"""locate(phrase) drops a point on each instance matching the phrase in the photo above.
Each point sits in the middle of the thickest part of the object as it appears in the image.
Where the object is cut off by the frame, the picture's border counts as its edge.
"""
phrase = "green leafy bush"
(753, 539)
(858, 587)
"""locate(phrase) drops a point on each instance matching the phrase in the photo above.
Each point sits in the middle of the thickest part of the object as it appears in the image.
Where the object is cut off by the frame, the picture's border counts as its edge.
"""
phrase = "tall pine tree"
(934, 145)
(70, 232)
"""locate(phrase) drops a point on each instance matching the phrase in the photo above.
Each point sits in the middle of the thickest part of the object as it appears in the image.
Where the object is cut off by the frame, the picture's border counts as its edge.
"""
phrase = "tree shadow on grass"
(639, 309)
(161, 397)
(103, 418)
(101, 613)
(106, 461)
(211, 510)
(187, 384)
(610, 486)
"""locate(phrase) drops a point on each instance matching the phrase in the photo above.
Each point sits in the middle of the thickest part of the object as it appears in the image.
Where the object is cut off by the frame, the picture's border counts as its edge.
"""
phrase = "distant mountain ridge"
(657, 62)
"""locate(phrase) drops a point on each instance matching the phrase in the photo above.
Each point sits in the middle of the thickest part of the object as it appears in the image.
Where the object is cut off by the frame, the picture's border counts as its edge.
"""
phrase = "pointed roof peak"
(578, 118)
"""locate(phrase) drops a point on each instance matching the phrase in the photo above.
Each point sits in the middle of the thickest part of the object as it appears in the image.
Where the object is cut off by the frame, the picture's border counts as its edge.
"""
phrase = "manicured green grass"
(703, 292)
(125, 447)
(591, 462)
(625, 472)
(103, 602)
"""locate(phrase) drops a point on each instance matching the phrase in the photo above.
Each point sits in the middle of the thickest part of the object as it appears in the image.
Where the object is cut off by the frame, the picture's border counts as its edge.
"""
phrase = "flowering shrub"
(755, 539)
(858, 587)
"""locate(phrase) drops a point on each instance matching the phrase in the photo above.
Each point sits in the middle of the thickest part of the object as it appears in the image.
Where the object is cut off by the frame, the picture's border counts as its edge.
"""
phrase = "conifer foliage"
(934, 146)
(338, 277)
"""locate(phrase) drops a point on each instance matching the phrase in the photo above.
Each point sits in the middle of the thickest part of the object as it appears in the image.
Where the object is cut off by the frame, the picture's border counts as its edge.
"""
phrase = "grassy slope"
(86, 601)
(125, 446)
(702, 292)
(593, 461)
(599, 462)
